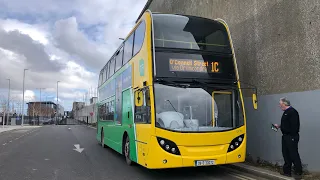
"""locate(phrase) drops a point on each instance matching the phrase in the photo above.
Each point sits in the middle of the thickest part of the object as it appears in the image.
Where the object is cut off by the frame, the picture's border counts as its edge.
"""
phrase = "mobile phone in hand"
(273, 127)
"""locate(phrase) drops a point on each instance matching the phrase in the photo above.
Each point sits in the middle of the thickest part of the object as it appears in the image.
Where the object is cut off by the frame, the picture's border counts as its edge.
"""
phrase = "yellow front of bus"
(198, 113)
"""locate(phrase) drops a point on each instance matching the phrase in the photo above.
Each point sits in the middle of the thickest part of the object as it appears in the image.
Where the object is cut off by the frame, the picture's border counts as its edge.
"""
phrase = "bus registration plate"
(205, 163)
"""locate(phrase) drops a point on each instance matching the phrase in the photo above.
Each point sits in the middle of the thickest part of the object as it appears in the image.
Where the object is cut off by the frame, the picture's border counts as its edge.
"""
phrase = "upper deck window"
(188, 32)
(139, 37)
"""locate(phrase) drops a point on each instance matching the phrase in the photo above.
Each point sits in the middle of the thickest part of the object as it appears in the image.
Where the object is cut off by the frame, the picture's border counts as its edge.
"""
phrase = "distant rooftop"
(42, 102)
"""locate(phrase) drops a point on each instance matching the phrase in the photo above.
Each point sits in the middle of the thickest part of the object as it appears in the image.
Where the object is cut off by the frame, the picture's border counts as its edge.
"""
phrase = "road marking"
(17, 138)
(241, 175)
(236, 173)
(46, 159)
(78, 149)
(92, 127)
(238, 177)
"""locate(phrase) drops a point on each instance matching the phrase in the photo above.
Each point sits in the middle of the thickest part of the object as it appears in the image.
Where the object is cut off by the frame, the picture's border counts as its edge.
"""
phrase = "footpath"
(268, 172)
(10, 128)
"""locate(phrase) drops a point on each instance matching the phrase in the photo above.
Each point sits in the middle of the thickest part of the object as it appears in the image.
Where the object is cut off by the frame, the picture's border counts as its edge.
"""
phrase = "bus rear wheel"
(127, 151)
(102, 140)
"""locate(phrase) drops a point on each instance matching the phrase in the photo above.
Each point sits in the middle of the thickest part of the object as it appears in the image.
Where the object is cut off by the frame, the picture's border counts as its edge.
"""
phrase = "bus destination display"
(190, 65)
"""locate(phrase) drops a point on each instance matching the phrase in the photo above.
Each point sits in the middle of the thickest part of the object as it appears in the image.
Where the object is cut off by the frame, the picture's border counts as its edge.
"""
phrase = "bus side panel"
(120, 126)
(142, 73)
(127, 117)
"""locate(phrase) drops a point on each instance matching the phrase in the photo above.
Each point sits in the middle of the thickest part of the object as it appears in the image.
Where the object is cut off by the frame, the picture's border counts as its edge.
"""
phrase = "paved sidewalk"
(268, 174)
(262, 172)
(10, 128)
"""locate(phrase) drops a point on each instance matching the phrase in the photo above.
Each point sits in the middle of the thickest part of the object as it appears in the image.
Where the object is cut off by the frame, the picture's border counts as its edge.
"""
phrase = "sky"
(59, 40)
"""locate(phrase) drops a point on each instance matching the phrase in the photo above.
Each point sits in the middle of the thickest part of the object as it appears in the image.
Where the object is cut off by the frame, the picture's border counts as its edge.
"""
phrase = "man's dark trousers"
(290, 154)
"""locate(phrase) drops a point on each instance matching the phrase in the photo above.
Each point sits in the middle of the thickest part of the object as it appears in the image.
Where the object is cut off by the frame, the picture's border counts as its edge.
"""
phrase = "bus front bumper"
(157, 158)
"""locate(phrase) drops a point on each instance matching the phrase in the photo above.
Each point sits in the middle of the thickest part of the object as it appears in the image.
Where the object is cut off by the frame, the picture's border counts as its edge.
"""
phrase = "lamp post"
(57, 102)
(24, 74)
(8, 106)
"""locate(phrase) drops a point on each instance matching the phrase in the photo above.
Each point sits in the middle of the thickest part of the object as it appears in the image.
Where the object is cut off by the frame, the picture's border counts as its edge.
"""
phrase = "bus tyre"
(102, 140)
(127, 151)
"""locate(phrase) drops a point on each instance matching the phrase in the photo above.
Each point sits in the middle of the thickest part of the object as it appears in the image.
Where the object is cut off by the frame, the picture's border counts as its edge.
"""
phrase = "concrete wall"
(84, 113)
(277, 45)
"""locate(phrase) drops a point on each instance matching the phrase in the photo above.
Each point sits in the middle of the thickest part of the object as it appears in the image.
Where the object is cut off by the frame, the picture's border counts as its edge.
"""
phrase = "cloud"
(70, 39)
(57, 40)
(36, 32)
(24, 45)
(88, 13)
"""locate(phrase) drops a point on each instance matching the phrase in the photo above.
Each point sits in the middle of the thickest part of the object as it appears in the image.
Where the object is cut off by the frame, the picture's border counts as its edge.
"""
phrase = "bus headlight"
(168, 146)
(235, 143)
(162, 142)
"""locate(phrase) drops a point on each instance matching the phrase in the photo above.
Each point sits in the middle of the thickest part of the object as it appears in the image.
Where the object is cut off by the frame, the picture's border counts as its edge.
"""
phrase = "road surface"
(47, 153)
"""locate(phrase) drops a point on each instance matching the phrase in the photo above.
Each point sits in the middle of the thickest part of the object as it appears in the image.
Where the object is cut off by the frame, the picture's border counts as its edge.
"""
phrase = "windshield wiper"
(171, 105)
(212, 85)
(177, 112)
(172, 83)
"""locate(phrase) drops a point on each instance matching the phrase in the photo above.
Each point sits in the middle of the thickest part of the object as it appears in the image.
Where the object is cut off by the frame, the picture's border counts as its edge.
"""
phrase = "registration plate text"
(205, 163)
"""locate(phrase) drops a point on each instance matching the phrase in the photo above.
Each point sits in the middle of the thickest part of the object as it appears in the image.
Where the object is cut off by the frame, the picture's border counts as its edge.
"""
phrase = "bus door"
(222, 109)
(142, 121)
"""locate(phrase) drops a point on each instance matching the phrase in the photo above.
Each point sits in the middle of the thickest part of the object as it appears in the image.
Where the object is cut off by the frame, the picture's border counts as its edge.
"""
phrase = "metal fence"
(30, 120)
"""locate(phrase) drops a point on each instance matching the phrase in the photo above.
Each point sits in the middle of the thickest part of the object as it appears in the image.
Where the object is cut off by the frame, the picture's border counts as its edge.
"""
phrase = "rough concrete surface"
(276, 41)
(277, 46)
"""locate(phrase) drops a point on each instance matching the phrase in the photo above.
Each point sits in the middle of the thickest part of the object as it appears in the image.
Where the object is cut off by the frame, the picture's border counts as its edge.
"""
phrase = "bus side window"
(112, 110)
(107, 111)
(139, 37)
(102, 112)
(128, 49)
(142, 113)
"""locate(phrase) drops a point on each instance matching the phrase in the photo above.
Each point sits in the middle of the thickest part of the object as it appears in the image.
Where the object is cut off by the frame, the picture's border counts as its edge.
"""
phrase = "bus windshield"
(194, 109)
(189, 32)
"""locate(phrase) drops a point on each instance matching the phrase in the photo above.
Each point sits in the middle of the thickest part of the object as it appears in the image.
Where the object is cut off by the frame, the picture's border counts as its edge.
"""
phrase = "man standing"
(290, 126)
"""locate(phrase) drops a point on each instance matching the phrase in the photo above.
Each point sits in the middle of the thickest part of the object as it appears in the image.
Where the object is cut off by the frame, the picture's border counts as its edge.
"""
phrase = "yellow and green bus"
(170, 95)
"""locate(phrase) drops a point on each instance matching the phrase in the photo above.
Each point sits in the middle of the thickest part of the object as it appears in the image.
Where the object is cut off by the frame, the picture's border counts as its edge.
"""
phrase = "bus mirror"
(254, 101)
(138, 98)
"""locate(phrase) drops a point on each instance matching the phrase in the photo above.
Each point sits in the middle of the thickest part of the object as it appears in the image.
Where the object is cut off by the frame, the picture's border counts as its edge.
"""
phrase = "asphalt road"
(47, 153)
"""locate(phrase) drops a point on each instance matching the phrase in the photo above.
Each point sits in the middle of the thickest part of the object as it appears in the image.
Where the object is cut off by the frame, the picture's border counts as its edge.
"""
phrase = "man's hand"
(277, 126)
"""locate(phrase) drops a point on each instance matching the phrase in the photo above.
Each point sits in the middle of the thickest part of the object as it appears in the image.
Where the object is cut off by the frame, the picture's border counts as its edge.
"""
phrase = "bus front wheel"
(127, 151)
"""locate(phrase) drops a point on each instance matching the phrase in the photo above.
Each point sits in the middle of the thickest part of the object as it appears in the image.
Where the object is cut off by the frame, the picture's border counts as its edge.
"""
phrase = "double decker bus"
(170, 95)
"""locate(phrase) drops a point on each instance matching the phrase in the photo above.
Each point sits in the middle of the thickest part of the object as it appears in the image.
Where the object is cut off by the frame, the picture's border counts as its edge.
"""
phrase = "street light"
(8, 102)
(57, 102)
(24, 74)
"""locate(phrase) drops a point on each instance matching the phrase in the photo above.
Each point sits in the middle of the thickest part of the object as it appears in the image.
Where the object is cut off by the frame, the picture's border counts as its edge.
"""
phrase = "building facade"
(277, 47)
(42, 109)
(85, 113)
